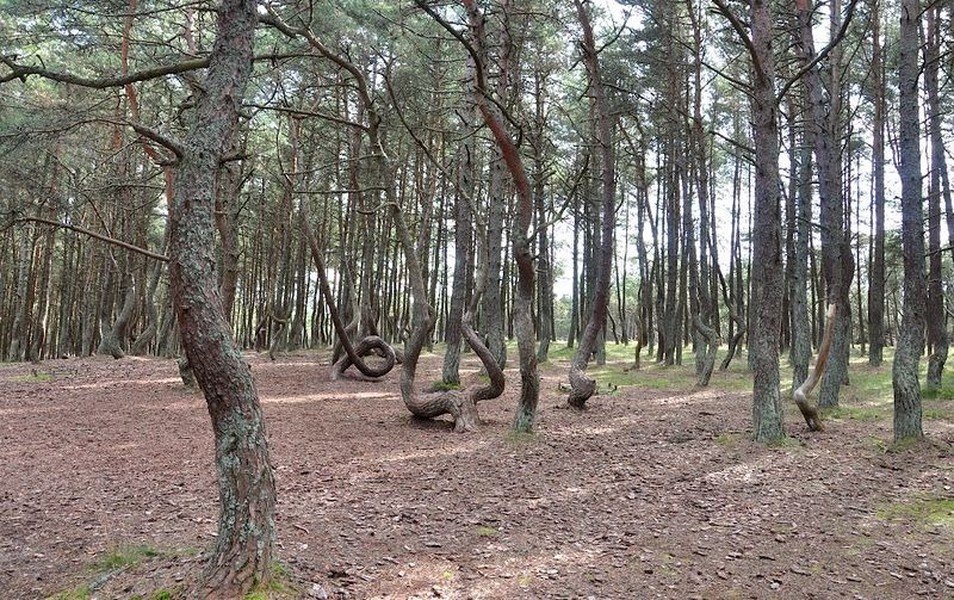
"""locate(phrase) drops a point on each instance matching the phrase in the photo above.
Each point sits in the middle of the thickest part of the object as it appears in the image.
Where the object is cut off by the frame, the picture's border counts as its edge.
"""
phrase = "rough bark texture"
(877, 278)
(798, 282)
(246, 531)
(581, 386)
(935, 314)
(907, 356)
(767, 268)
(463, 255)
(111, 342)
(706, 354)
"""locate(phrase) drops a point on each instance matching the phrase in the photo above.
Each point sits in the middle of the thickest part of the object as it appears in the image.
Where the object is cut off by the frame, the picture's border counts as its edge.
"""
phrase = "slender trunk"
(935, 314)
(907, 356)
(582, 387)
(767, 267)
(876, 291)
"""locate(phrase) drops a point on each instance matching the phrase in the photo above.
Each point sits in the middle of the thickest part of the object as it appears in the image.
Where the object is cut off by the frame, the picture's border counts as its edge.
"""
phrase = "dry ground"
(649, 494)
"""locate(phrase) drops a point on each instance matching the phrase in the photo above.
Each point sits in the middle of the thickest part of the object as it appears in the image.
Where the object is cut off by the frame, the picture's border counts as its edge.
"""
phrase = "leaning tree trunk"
(581, 386)
(907, 355)
(246, 530)
(800, 394)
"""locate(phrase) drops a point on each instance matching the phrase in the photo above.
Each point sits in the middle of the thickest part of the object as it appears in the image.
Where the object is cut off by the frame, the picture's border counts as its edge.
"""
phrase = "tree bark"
(824, 128)
(907, 356)
(246, 531)
(936, 314)
(583, 387)
(876, 291)
(767, 268)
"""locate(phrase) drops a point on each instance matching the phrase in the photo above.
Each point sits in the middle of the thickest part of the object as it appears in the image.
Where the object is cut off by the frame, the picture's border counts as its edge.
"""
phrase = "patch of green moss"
(124, 556)
(520, 438)
(34, 377)
(728, 439)
(786, 442)
(855, 413)
(486, 531)
(442, 386)
(924, 510)
(277, 588)
(78, 593)
(943, 393)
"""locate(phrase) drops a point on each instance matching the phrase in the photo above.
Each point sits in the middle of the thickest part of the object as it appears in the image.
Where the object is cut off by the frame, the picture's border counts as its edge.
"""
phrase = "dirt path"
(649, 494)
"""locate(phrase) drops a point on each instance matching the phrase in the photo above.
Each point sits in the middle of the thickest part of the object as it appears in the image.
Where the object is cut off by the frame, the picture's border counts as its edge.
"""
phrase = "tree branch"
(849, 13)
(21, 72)
(98, 236)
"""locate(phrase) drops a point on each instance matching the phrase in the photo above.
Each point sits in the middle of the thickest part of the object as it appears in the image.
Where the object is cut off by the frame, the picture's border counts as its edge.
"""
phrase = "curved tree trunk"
(581, 386)
(145, 337)
(800, 395)
(246, 531)
(111, 342)
(367, 345)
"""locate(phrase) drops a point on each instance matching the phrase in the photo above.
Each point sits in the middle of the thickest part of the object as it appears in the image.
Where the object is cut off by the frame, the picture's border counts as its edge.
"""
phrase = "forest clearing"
(656, 491)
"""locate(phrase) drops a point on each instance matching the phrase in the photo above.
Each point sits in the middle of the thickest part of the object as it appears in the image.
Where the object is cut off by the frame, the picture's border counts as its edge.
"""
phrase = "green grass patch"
(924, 510)
(729, 439)
(942, 393)
(78, 593)
(34, 377)
(277, 588)
(442, 386)
(855, 413)
(937, 414)
(486, 531)
(124, 556)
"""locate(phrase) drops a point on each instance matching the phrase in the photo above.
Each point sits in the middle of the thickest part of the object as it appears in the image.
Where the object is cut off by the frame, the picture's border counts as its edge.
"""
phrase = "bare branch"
(849, 13)
(98, 236)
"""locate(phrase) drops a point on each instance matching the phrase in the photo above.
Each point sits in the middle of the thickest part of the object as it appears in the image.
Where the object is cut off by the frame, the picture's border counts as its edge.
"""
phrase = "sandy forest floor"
(649, 494)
